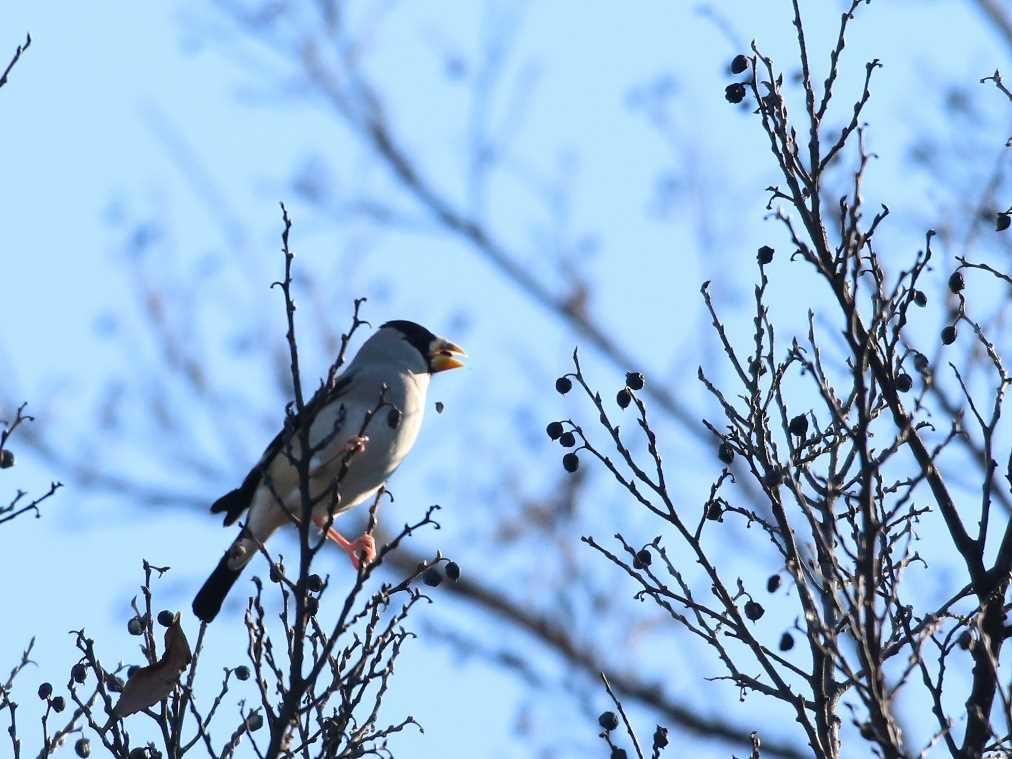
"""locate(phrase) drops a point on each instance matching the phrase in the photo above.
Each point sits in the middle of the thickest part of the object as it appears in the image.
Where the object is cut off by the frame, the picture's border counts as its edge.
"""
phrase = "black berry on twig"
(563, 385)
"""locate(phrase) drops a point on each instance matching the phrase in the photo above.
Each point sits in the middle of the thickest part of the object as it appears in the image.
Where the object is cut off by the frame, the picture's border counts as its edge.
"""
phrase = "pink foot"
(357, 444)
(362, 546)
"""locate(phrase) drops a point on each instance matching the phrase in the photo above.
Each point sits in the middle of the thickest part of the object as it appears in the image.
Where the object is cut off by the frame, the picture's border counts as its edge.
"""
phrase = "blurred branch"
(999, 17)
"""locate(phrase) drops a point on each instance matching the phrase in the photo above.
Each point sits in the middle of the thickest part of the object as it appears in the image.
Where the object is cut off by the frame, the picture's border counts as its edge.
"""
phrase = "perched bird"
(350, 460)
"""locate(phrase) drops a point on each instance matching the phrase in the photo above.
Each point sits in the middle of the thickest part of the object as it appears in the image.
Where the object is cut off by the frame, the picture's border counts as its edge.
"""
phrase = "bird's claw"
(357, 444)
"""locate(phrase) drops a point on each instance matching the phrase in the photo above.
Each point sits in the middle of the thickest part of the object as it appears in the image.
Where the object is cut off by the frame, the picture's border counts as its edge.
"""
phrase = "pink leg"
(356, 444)
(363, 546)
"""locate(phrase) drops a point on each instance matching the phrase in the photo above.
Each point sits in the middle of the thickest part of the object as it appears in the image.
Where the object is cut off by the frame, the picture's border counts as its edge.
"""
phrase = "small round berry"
(618, 753)
(643, 557)
(798, 425)
(141, 752)
(623, 398)
(660, 737)
(166, 618)
(956, 281)
(725, 453)
(734, 93)
(965, 640)
(567, 440)
(754, 610)
(45, 691)
(714, 511)
(554, 430)
(765, 255)
(920, 298)
(608, 720)
(563, 385)
(949, 334)
(1002, 222)
(452, 570)
(432, 577)
(315, 583)
(921, 363)
(312, 605)
(79, 673)
(786, 642)
(904, 382)
(135, 626)
(773, 584)
(254, 722)
(570, 462)
(634, 380)
(83, 748)
(6, 459)
(113, 683)
(738, 64)
(58, 704)
(132, 670)
(242, 672)
(774, 477)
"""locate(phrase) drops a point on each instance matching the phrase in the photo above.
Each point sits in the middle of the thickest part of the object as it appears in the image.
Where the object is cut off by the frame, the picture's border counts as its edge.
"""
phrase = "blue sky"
(110, 95)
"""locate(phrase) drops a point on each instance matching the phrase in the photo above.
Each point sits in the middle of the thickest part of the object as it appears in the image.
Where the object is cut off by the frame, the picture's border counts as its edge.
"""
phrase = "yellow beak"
(445, 355)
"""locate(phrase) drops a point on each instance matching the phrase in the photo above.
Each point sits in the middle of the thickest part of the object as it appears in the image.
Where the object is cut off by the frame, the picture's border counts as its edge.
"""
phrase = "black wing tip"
(233, 503)
(209, 599)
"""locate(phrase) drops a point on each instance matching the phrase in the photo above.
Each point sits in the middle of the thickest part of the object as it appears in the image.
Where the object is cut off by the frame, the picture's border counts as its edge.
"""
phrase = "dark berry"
(114, 684)
(754, 610)
(141, 752)
(725, 453)
(254, 722)
(773, 584)
(634, 380)
(6, 459)
(755, 366)
(965, 640)
(554, 430)
(735, 93)
(920, 298)
(83, 748)
(921, 363)
(660, 737)
(135, 626)
(312, 605)
(79, 673)
(786, 642)
(608, 720)
(166, 618)
(275, 573)
(624, 398)
(58, 704)
(242, 672)
(643, 557)
(765, 255)
(452, 570)
(904, 382)
(714, 511)
(949, 334)
(1002, 222)
(432, 577)
(570, 462)
(738, 64)
(956, 281)
(439, 410)
(45, 691)
(315, 583)
(567, 440)
(563, 385)
(618, 753)
(393, 418)
(799, 425)
(774, 477)
(132, 670)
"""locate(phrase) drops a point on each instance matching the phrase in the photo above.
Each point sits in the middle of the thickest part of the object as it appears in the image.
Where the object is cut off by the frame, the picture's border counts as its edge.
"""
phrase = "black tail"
(211, 596)
(235, 502)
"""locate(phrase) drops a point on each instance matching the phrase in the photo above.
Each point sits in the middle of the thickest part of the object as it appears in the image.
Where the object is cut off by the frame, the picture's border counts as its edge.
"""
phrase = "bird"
(361, 425)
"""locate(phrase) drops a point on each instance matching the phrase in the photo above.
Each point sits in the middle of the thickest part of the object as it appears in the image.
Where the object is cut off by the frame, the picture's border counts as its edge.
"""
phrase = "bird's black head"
(439, 354)
(414, 333)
